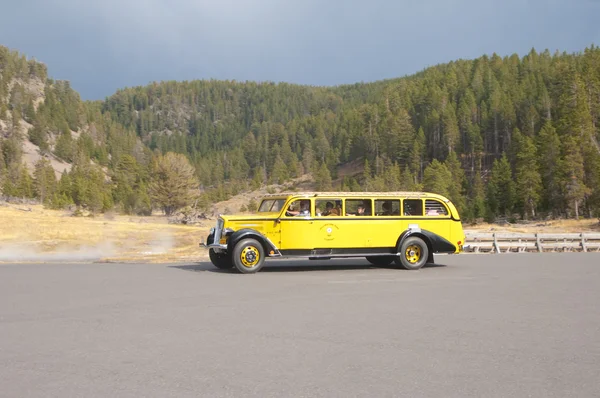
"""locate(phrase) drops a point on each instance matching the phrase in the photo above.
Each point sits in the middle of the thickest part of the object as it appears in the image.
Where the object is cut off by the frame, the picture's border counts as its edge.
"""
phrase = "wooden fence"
(503, 242)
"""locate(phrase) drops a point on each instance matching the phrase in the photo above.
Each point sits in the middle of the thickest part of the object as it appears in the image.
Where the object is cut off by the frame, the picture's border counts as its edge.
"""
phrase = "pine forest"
(514, 137)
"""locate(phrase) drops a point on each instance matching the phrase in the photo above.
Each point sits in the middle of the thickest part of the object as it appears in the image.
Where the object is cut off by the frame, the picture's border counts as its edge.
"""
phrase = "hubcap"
(413, 253)
(250, 256)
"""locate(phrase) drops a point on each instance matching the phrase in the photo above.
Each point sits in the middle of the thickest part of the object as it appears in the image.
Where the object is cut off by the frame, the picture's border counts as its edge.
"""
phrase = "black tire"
(248, 256)
(220, 260)
(413, 253)
(381, 261)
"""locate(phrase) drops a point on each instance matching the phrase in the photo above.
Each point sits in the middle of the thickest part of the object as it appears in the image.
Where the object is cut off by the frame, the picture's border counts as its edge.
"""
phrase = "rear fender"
(435, 243)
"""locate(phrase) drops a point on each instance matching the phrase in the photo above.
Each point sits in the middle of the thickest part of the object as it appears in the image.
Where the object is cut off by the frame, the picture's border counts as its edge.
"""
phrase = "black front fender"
(209, 239)
(235, 237)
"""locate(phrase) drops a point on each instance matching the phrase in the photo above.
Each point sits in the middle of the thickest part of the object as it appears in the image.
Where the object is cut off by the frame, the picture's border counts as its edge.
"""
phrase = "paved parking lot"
(474, 325)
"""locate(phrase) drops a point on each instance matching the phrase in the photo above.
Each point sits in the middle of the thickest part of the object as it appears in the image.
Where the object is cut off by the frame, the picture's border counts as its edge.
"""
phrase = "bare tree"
(174, 184)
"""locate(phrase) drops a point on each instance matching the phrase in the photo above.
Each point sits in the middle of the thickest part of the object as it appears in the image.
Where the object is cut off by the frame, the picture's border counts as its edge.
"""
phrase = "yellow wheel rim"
(249, 256)
(413, 254)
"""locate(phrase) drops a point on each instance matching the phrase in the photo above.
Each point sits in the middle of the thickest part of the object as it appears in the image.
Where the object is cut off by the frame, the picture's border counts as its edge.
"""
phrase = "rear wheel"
(248, 256)
(220, 260)
(380, 261)
(413, 253)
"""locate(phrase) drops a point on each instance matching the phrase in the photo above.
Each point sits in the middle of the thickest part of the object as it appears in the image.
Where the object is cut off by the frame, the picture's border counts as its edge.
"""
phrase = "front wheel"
(248, 256)
(220, 260)
(380, 261)
(413, 253)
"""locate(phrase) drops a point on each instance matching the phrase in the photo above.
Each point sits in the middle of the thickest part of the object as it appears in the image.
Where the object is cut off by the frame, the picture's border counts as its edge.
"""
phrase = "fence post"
(583, 245)
(538, 243)
(496, 243)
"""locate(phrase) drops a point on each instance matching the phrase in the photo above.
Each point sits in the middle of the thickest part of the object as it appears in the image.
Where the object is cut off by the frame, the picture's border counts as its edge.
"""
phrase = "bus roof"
(402, 194)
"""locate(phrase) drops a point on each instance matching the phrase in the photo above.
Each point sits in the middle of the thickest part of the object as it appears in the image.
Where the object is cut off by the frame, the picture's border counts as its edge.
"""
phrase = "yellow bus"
(406, 228)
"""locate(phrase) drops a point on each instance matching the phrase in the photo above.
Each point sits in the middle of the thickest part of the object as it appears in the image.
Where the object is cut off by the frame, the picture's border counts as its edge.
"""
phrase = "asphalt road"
(516, 325)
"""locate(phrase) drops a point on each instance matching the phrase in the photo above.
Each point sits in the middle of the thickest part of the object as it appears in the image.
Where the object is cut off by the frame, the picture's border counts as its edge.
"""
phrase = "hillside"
(512, 136)
(54, 147)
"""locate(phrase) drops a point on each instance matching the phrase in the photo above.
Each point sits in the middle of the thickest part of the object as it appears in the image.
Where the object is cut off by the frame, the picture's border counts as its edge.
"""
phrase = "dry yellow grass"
(552, 226)
(41, 234)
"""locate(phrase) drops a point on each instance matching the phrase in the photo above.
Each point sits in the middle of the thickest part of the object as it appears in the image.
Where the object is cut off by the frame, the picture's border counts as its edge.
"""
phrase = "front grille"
(218, 230)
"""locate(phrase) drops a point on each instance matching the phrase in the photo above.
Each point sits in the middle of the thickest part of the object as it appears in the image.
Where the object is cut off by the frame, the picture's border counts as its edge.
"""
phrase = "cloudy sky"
(103, 45)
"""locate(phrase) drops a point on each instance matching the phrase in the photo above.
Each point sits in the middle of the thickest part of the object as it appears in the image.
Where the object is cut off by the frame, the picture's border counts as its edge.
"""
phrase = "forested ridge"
(501, 136)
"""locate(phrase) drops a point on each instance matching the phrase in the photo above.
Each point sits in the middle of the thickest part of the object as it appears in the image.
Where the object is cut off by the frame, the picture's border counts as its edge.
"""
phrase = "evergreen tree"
(549, 151)
(367, 176)
(409, 181)
(501, 188)
(280, 171)
(323, 178)
(573, 172)
(527, 175)
(125, 180)
(2, 165)
(8, 188)
(143, 204)
(457, 183)
(44, 180)
(417, 154)
(24, 183)
(451, 133)
(29, 115)
(477, 198)
(38, 137)
(392, 178)
(593, 167)
(65, 186)
(12, 151)
(64, 146)
(437, 178)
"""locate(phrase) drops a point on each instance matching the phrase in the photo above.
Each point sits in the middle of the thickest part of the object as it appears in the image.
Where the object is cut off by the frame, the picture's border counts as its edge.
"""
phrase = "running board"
(327, 256)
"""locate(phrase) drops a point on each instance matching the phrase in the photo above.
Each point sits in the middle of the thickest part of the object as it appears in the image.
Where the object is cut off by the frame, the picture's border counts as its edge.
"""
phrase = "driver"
(304, 209)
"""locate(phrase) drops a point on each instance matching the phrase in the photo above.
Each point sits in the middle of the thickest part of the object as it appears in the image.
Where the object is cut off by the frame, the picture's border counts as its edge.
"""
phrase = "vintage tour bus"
(406, 228)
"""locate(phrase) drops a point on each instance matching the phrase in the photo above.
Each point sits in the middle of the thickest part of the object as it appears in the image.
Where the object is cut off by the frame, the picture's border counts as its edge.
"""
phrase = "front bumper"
(213, 246)
(209, 244)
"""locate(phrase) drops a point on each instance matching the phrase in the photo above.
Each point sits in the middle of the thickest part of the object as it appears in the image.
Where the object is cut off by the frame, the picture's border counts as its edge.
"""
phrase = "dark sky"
(101, 46)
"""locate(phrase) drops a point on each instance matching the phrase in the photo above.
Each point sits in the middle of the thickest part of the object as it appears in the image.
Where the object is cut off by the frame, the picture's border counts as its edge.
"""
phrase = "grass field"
(32, 233)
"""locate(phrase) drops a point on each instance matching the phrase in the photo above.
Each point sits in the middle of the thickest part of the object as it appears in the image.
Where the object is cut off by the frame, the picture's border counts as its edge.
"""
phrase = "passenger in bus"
(387, 208)
(330, 210)
(367, 206)
(364, 209)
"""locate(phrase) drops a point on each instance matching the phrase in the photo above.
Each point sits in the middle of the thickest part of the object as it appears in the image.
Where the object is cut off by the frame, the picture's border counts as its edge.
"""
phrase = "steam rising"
(162, 243)
(27, 252)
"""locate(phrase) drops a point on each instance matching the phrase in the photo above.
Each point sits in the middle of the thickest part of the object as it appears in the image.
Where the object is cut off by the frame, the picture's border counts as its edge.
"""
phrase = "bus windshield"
(271, 205)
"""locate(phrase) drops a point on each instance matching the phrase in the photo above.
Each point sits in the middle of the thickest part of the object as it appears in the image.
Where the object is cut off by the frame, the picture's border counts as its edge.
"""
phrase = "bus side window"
(328, 207)
(299, 207)
(387, 207)
(435, 208)
(413, 207)
(358, 207)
